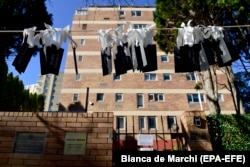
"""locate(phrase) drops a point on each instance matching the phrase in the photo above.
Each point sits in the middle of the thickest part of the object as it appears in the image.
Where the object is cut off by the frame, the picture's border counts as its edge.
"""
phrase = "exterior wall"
(197, 137)
(98, 127)
(174, 91)
(51, 89)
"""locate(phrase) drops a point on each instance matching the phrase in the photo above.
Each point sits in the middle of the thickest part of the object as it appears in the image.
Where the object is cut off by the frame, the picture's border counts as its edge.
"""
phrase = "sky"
(63, 12)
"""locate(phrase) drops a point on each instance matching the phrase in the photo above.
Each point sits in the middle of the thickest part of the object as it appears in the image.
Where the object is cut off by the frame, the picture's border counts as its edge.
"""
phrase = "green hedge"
(229, 132)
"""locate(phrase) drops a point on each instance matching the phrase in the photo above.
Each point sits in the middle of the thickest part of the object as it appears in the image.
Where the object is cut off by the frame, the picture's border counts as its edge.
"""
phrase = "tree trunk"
(238, 104)
(211, 92)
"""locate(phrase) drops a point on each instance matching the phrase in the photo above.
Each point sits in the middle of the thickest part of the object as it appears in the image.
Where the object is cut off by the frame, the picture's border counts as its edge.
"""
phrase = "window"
(141, 120)
(171, 122)
(164, 58)
(80, 58)
(82, 41)
(100, 97)
(75, 97)
(166, 77)
(220, 97)
(151, 122)
(136, 13)
(190, 77)
(197, 120)
(84, 26)
(140, 26)
(78, 77)
(155, 97)
(120, 122)
(121, 13)
(118, 25)
(81, 12)
(150, 77)
(139, 100)
(116, 77)
(118, 97)
(194, 97)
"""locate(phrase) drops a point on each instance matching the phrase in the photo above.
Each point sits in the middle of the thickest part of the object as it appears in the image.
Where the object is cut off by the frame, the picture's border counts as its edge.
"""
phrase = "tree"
(170, 14)
(17, 15)
(243, 84)
(18, 98)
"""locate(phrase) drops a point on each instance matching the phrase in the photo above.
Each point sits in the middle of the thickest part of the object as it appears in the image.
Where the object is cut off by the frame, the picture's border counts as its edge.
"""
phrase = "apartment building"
(146, 96)
(50, 87)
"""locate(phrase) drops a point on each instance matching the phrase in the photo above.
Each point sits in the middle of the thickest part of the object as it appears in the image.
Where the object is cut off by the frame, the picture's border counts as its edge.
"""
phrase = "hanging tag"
(43, 61)
(23, 57)
(54, 59)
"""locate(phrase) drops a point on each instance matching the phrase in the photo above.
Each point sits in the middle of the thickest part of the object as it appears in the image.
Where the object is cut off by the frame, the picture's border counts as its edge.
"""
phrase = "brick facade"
(98, 126)
(197, 138)
(174, 90)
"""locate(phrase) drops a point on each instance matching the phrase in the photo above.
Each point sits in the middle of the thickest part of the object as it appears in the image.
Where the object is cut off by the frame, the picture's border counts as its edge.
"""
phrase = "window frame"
(80, 58)
(136, 13)
(169, 77)
(150, 77)
(190, 77)
(140, 26)
(220, 97)
(118, 123)
(174, 121)
(100, 97)
(78, 77)
(149, 125)
(81, 12)
(115, 77)
(121, 13)
(141, 96)
(82, 42)
(142, 122)
(117, 95)
(197, 120)
(75, 97)
(192, 97)
(162, 59)
(155, 97)
(84, 26)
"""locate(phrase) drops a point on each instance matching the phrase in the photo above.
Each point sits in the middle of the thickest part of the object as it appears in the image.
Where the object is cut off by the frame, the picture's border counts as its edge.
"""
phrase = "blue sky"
(63, 12)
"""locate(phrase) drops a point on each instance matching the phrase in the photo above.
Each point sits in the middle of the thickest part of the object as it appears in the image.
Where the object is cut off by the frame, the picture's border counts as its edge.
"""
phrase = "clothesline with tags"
(199, 47)
(194, 51)
(134, 49)
(48, 43)
(94, 30)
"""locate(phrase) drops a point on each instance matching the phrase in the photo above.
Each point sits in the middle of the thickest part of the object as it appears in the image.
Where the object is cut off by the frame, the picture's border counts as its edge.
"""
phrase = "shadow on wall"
(73, 107)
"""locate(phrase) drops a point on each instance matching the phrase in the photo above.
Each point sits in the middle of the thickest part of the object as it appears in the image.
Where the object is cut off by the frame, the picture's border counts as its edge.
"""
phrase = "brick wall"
(197, 137)
(98, 144)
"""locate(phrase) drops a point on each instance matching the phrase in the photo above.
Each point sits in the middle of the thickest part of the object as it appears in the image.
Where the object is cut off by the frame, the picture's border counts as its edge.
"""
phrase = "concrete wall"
(98, 144)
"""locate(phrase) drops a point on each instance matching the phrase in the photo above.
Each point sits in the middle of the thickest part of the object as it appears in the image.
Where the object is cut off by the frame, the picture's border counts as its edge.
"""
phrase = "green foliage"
(17, 15)
(229, 132)
(17, 98)
(171, 13)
